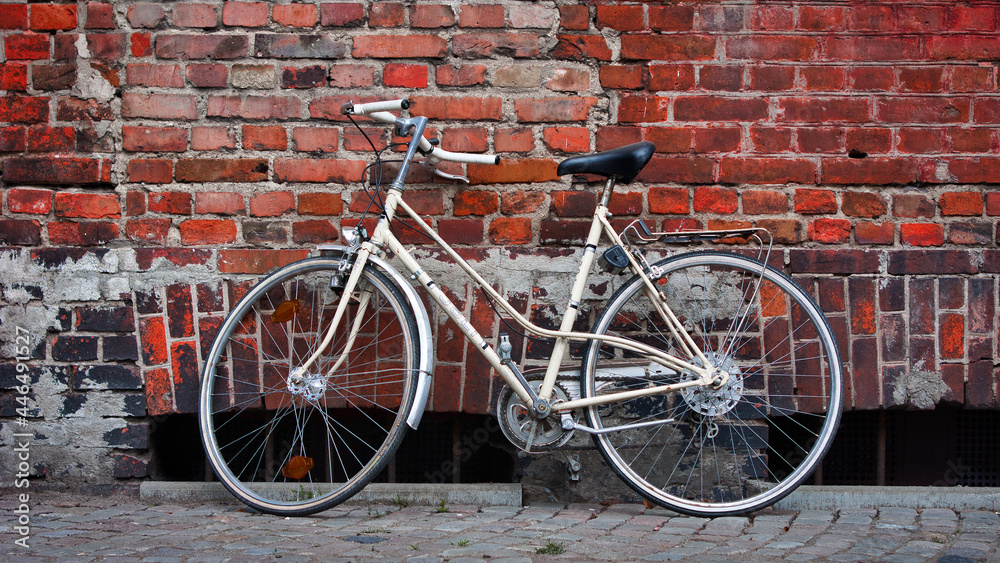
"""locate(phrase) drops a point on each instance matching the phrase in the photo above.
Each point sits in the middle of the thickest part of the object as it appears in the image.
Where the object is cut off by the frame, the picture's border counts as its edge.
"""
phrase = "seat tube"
(572, 308)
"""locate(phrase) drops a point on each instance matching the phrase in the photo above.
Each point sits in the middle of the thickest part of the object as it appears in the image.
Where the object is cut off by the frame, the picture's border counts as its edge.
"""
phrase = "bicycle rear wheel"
(751, 442)
(299, 445)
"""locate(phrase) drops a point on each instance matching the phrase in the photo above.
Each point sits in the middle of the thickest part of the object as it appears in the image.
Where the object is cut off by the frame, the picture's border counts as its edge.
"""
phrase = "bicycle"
(711, 382)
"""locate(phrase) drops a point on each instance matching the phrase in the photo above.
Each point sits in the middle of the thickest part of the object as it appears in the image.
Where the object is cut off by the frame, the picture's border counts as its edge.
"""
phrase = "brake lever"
(446, 175)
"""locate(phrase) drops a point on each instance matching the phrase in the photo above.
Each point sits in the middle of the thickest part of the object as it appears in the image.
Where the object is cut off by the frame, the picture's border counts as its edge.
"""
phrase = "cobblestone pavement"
(64, 527)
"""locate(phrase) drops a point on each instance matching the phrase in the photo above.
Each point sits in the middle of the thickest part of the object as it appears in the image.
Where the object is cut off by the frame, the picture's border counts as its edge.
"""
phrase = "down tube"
(459, 319)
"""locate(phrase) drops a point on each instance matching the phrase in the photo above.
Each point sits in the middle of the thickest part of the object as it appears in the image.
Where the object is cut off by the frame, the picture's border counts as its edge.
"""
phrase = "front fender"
(425, 342)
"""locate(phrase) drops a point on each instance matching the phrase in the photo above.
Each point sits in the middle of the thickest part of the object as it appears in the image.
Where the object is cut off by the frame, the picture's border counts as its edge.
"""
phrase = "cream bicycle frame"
(382, 238)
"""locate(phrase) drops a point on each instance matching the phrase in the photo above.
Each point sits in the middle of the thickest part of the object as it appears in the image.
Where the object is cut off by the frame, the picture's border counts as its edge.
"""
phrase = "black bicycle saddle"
(622, 164)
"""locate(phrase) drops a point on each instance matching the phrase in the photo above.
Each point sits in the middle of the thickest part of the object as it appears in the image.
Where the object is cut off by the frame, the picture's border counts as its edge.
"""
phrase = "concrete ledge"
(836, 498)
(429, 494)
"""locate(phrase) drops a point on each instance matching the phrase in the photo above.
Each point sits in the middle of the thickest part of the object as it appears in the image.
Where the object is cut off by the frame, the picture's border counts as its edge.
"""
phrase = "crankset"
(523, 429)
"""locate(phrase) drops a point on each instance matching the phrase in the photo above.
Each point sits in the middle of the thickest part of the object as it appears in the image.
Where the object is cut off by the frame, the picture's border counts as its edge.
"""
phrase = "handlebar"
(379, 111)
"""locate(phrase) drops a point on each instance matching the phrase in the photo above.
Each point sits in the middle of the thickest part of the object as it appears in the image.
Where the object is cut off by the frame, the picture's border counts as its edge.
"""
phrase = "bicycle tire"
(296, 447)
(746, 445)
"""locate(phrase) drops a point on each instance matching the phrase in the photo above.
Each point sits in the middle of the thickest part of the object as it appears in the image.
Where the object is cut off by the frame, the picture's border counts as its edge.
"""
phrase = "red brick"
(13, 139)
(514, 140)
(212, 138)
(580, 47)
(341, 14)
(460, 75)
(573, 203)
(625, 77)
(87, 205)
(82, 234)
(866, 232)
(573, 17)
(863, 204)
(148, 15)
(921, 234)
(475, 202)
(308, 77)
(221, 170)
(318, 170)
(153, 339)
(643, 109)
(53, 17)
(482, 45)
(351, 76)
(154, 75)
(386, 14)
(688, 47)
(316, 139)
(244, 14)
(14, 77)
(715, 200)
(761, 202)
(952, 336)
(449, 107)
(255, 107)
(42, 138)
(26, 46)
(208, 75)
(814, 201)
(222, 203)
(159, 106)
(473, 15)
(510, 230)
(207, 231)
(13, 16)
(432, 16)
(567, 139)
(767, 170)
(256, 261)
(264, 137)
(964, 204)
(320, 203)
(314, 232)
(150, 171)
(29, 200)
(626, 203)
(830, 231)
(174, 203)
(912, 206)
(993, 204)
(272, 204)
(514, 172)
(148, 231)
(141, 44)
(295, 15)
(533, 110)
(719, 109)
(405, 75)
(461, 231)
(520, 202)
(399, 47)
(154, 139)
(674, 201)
(621, 18)
(194, 47)
(20, 232)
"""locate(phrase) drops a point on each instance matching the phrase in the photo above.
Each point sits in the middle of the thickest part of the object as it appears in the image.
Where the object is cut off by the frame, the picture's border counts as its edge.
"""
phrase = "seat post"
(609, 187)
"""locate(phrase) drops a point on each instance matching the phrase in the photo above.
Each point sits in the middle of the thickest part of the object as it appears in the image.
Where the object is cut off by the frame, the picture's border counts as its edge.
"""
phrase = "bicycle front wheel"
(294, 442)
(726, 451)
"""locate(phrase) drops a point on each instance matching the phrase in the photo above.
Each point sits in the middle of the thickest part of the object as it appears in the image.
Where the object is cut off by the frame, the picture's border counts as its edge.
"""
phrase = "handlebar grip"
(371, 107)
(465, 158)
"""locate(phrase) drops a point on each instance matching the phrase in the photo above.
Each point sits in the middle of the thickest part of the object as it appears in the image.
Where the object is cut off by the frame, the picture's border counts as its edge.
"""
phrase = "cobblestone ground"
(121, 528)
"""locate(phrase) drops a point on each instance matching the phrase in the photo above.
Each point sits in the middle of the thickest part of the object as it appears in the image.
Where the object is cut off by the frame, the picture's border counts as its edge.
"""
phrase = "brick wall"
(152, 150)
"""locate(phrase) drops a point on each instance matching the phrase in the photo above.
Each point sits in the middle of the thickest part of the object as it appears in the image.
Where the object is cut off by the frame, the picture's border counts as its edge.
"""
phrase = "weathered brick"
(74, 348)
(221, 170)
(272, 204)
(399, 47)
(207, 231)
(298, 46)
(510, 230)
(159, 106)
(921, 234)
(535, 110)
(194, 47)
(18, 232)
(87, 205)
(221, 203)
(148, 231)
(175, 203)
(863, 204)
(244, 14)
(29, 200)
(255, 107)
(964, 204)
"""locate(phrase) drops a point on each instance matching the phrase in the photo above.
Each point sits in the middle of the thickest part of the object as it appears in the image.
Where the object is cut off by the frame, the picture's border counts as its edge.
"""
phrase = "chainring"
(523, 430)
